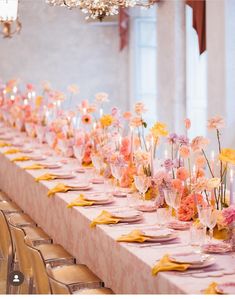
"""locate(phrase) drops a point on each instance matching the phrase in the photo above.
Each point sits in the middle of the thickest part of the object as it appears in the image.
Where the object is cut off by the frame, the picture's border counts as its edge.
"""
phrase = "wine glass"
(142, 184)
(117, 171)
(173, 199)
(97, 161)
(79, 153)
(208, 217)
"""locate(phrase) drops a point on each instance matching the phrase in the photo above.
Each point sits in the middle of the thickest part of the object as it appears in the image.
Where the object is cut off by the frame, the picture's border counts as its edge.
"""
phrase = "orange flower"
(86, 119)
(182, 174)
(184, 151)
(127, 115)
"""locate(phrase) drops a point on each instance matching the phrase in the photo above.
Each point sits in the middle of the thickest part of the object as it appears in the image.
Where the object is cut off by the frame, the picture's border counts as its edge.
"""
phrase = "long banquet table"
(125, 268)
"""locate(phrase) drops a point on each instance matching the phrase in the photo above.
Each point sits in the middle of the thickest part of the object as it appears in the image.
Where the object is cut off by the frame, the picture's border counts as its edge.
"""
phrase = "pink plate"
(227, 288)
(216, 248)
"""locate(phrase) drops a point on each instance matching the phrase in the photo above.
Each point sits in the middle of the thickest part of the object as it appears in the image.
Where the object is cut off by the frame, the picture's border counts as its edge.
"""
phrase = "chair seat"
(76, 275)
(9, 207)
(99, 291)
(21, 220)
(37, 236)
(55, 254)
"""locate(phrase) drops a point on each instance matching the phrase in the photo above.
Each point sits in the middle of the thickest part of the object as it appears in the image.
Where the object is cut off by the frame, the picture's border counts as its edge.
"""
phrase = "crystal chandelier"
(98, 9)
(66, 3)
(8, 18)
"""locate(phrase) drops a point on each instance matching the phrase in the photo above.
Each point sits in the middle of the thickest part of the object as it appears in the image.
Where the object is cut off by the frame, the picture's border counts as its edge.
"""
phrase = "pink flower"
(84, 104)
(114, 111)
(216, 122)
(229, 214)
(199, 143)
(184, 151)
(200, 184)
(182, 173)
(187, 123)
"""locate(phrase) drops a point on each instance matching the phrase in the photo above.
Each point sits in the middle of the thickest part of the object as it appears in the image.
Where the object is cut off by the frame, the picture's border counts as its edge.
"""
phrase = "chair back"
(39, 269)
(5, 237)
(23, 255)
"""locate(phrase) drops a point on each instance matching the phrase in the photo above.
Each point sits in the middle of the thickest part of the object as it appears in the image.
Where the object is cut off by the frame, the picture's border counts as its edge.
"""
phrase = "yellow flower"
(213, 183)
(106, 120)
(227, 155)
(159, 129)
(38, 101)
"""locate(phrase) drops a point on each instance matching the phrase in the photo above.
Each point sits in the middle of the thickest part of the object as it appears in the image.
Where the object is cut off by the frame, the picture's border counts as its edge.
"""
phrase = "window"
(196, 80)
(144, 60)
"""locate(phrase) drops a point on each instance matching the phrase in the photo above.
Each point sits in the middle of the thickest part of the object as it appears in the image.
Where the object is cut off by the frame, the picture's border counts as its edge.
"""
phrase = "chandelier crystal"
(65, 3)
(8, 18)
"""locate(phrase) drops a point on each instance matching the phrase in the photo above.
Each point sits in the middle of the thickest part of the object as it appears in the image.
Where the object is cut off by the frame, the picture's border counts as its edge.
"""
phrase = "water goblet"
(142, 183)
(162, 216)
(79, 153)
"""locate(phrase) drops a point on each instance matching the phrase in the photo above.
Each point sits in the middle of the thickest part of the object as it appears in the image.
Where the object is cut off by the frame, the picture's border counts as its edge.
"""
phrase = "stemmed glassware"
(98, 163)
(117, 171)
(173, 199)
(79, 153)
(142, 183)
(162, 216)
(208, 217)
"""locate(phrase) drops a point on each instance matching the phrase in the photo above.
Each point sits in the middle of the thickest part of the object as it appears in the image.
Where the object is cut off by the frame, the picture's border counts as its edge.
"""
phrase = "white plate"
(64, 175)
(37, 158)
(26, 150)
(129, 214)
(51, 165)
(189, 258)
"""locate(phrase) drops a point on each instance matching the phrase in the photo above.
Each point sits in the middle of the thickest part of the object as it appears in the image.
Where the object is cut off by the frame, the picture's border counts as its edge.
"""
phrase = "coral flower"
(188, 207)
(136, 122)
(127, 115)
(200, 161)
(182, 173)
(86, 119)
(184, 151)
(200, 173)
(177, 185)
(227, 155)
(216, 122)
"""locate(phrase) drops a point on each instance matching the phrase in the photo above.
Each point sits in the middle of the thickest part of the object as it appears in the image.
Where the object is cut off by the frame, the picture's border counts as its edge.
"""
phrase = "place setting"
(92, 199)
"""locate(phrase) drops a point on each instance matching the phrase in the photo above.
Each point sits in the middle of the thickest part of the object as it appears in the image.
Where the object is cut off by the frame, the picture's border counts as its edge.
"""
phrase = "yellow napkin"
(22, 158)
(46, 177)
(34, 166)
(166, 265)
(4, 144)
(105, 218)
(12, 151)
(81, 201)
(134, 236)
(58, 188)
(211, 290)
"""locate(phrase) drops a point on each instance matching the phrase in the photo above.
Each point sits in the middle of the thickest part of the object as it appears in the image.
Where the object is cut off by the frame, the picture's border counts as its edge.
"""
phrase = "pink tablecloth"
(126, 269)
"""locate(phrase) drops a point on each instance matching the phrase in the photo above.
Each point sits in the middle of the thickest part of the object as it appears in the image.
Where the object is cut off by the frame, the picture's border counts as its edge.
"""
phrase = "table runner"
(126, 269)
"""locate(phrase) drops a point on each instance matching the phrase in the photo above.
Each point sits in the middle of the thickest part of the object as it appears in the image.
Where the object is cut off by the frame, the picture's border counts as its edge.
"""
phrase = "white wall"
(56, 44)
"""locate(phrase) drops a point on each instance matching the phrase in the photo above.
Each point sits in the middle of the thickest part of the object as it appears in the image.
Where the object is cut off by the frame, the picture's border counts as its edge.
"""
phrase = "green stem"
(208, 163)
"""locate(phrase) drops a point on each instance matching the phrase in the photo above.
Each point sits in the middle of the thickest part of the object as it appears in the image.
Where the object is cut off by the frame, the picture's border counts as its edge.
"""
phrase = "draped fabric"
(199, 21)
(123, 27)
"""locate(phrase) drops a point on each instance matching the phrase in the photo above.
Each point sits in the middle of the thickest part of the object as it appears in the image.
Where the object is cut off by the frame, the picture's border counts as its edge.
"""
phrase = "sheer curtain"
(196, 80)
(144, 42)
